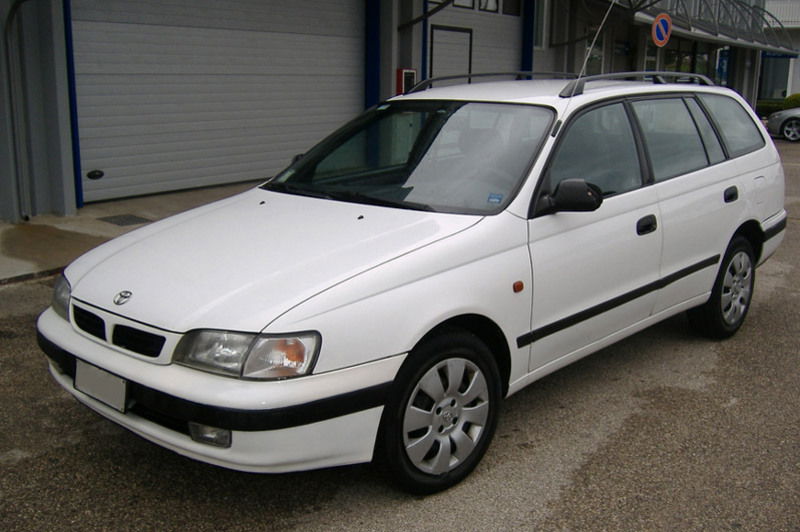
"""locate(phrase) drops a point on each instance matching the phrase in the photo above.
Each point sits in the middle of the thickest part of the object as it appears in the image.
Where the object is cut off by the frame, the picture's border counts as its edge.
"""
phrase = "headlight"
(249, 356)
(61, 295)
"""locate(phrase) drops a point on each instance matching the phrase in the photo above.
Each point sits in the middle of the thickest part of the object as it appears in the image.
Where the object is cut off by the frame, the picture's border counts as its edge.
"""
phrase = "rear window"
(739, 132)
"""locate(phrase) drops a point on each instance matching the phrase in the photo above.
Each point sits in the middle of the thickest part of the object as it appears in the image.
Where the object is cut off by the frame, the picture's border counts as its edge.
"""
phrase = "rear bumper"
(774, 230)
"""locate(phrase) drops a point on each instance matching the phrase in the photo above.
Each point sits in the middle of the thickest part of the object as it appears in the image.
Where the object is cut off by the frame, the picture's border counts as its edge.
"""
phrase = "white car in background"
(383, 294)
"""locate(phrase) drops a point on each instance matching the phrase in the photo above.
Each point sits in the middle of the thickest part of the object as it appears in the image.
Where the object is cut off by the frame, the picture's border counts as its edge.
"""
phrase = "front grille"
(89, 322)
(138, 341)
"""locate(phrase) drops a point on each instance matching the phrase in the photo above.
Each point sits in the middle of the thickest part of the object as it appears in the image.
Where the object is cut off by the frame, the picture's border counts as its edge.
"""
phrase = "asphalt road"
(663, 431)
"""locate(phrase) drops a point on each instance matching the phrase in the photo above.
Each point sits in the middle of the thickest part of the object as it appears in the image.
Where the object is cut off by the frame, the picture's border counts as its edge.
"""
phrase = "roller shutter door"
(178, 94)
(490, 42)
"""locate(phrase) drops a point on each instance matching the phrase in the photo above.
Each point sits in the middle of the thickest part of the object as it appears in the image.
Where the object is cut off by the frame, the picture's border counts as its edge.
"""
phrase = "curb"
(31, 276)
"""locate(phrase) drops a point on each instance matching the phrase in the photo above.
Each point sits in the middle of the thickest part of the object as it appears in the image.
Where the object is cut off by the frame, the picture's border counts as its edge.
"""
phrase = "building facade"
(117, 98)
(780, 73)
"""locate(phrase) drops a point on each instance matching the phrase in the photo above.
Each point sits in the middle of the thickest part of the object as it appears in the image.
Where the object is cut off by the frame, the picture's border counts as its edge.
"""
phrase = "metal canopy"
(731, 22)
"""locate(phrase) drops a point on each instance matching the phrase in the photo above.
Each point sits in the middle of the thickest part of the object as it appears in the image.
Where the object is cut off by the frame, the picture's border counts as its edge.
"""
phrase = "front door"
(593, 272)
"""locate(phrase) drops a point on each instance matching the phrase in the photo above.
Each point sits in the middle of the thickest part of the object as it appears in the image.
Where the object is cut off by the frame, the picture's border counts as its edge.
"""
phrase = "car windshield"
(454, 157)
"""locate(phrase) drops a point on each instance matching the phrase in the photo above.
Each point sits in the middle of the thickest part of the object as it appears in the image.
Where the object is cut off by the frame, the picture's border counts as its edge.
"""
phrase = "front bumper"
(292, 425)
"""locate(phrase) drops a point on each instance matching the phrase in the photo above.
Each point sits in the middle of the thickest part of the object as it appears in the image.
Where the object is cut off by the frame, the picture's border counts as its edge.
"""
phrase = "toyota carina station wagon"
(379, 298)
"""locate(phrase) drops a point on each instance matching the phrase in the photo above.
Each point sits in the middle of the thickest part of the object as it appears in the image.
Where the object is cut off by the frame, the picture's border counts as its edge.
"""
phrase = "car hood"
(240, 263)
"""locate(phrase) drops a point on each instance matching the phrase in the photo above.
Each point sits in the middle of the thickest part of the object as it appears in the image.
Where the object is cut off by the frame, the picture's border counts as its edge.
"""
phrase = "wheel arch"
(751, 230)
(489, 333)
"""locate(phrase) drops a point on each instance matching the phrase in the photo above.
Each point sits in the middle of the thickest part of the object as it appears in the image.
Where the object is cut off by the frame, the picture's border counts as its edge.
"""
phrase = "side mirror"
(571, 195)
(297, 157)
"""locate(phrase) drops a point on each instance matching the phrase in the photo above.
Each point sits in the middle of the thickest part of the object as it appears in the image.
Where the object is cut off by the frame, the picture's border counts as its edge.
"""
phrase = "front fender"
(388, 309)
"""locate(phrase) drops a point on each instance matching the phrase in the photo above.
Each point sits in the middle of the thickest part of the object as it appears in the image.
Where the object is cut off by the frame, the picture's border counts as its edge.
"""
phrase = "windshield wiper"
(290, 188)
(345, 195)
(360, 197)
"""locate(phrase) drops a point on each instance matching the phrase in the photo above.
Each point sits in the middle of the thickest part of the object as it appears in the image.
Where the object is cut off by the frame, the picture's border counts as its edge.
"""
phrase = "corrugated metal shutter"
(451, 51)
(496, 41)
(185, 93)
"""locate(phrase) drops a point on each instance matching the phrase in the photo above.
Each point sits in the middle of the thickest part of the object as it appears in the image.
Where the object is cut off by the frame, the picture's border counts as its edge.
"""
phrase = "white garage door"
(488, 41)
(451, 51)
(186, 93)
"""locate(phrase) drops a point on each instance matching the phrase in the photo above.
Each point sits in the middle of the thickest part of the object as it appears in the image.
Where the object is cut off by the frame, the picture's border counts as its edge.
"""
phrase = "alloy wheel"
(446, 415)
(791, 130)
(736, 288)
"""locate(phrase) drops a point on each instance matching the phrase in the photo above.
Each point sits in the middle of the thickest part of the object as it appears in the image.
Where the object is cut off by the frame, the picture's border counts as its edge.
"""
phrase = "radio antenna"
(589, 53)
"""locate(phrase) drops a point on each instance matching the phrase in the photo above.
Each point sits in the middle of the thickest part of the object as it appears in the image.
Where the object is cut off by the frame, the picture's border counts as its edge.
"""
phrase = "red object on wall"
(406, 78)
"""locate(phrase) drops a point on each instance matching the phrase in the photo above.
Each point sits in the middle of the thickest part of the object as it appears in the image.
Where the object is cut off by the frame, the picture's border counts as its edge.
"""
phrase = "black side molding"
(775, 229)
(175, 413)
(569, 321)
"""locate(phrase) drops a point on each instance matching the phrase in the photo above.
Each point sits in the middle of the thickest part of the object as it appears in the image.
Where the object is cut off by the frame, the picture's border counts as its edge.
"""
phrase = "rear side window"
(739, 132)
(673, 141)
(599, 147)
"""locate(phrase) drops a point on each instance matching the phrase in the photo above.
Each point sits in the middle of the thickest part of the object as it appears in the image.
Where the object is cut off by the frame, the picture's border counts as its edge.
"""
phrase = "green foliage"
(792, 101)
(764, 108)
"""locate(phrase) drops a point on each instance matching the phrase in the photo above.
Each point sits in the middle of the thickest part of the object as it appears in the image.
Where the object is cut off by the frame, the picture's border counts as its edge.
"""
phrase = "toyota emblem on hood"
(122, 297)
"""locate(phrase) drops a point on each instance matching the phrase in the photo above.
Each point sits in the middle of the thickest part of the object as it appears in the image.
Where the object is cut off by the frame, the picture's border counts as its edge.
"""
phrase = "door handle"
(646, 225)
(731, 194)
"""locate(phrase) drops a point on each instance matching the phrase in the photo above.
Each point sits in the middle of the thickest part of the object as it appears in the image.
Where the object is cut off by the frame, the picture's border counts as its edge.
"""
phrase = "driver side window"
(598, 147)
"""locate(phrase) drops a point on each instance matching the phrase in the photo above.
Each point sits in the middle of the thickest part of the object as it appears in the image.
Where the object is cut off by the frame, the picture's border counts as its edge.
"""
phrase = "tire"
(790, 130)
(732, 294)
(442, 413)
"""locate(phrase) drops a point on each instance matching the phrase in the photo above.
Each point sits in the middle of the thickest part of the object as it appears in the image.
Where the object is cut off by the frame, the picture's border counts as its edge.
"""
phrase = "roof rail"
(575, 87)
(428, 83)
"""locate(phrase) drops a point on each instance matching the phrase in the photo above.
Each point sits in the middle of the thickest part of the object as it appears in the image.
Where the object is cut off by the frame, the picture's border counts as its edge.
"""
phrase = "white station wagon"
(384, 293)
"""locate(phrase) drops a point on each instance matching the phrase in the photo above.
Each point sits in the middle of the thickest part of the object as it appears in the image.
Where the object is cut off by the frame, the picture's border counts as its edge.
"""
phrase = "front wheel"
(732, 294)
(441, 417)
(791, 129)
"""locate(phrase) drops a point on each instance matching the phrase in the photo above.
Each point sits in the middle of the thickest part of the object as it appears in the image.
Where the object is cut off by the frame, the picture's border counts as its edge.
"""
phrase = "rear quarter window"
(740, 134)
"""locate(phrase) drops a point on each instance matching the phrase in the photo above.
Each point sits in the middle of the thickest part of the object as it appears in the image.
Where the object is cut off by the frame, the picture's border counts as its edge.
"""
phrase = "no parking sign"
(662, 29)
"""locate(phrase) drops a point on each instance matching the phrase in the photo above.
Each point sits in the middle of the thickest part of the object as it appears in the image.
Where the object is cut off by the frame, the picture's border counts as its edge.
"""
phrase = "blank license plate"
(101, 385)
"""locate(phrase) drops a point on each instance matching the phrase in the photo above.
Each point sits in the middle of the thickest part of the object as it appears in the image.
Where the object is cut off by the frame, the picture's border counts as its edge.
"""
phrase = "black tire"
(732, 294)
(431, 440)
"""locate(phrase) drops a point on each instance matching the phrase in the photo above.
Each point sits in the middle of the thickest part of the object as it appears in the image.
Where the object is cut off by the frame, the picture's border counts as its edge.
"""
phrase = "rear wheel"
(791, 129)
(441, 417)
(732, 294)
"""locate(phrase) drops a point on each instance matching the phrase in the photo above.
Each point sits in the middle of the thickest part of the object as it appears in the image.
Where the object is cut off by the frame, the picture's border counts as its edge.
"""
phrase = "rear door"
(701, 180)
